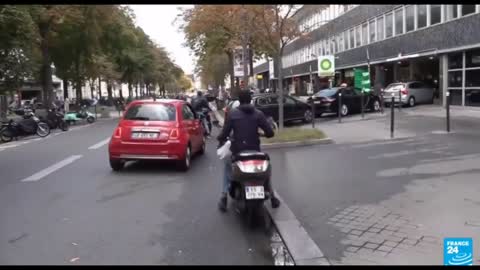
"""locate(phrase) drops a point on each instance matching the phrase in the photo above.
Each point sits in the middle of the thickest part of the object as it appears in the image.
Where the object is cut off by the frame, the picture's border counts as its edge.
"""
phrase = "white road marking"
(39, 175)
(100, 144)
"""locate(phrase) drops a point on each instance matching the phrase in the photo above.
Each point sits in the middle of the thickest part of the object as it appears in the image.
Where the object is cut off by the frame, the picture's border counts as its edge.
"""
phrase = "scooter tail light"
(253, 166)
(118, 133)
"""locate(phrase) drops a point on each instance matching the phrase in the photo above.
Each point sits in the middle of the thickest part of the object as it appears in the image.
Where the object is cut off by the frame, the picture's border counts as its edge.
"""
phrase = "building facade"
(437, 44)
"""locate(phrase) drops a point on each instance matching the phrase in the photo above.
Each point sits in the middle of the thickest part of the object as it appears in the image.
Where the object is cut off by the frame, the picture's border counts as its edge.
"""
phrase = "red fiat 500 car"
(157, 130)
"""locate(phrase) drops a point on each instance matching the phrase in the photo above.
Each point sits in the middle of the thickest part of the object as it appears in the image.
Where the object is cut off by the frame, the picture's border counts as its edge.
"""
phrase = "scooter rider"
(200, 103)
(244, 121)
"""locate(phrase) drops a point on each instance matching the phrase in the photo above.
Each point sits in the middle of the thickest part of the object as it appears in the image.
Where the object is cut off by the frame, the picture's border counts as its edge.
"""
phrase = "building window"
(472, 58)
(365, 34)
(388, 25)
(455, 61)
(358, 36)
(455, 78)
(472, 97)
(332, 46)
(468, 9)
(345, 40)
(372, 29)
(452, 12)
(410, 18)
(341, 44)
(435, 14)
(380, 29)
(472, 78)
(352, 39)
(421, 16)
(399, 21)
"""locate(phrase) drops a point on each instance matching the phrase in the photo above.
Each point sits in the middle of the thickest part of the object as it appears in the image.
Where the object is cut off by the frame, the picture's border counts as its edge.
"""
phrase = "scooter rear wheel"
(6, 135)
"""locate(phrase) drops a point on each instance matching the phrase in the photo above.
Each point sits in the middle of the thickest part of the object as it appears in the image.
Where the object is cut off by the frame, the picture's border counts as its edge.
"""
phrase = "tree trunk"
(65, 89)
(109, 91)
(78, 81)
(92, 89)
(232, 70)
(278, 60)
(99, 88)
(46, 69)
(136, 90)
(130, 90)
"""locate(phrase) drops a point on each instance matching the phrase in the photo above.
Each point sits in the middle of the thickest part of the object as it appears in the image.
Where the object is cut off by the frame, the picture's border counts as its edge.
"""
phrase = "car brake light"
(404, 92)
(117, 134)
(253, 166)
(174, 133)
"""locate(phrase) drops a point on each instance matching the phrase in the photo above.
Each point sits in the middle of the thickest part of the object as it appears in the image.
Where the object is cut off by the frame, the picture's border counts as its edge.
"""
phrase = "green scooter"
(83, 114)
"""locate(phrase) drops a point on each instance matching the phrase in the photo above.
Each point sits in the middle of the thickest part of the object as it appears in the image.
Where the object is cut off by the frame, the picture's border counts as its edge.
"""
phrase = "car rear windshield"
(326, 92)
(151, 112)
(394, 85)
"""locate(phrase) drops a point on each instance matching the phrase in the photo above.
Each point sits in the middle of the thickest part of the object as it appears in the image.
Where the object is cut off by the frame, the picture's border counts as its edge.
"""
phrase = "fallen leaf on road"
(74, 259)
(250, 250)
(75, 244)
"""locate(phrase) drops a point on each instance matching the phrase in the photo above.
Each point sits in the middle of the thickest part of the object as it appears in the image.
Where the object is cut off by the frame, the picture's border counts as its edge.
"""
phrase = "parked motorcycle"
(251, 171)
(83, 114)
(29, 125)
(56, 119)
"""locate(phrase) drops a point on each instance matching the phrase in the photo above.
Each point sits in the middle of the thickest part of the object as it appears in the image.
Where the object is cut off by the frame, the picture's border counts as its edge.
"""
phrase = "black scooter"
(56, 119)
(251, 171)
(29, 125)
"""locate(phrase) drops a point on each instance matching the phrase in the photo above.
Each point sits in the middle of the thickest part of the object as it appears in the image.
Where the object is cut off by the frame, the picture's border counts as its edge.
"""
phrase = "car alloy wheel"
(376, 106)
(344, 110)
(307, 116)
(411, 101)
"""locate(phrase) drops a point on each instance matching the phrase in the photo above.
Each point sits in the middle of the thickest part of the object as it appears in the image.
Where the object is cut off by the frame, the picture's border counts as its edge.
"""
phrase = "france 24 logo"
(458, 251)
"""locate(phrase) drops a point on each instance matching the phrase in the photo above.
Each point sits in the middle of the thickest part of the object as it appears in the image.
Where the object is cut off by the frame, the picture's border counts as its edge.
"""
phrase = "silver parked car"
(411, 93)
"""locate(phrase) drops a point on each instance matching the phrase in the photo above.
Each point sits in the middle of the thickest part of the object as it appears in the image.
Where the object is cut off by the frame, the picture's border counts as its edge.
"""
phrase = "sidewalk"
(384, 203)
(409, 122)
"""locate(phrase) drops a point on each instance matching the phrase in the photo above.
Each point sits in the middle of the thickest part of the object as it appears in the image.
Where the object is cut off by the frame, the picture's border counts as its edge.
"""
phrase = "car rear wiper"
(139, 118)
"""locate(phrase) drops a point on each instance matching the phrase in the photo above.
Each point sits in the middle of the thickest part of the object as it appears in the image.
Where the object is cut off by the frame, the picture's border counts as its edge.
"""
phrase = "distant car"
(294, 109)
(326, 101)
(157, 130)
(412, 93)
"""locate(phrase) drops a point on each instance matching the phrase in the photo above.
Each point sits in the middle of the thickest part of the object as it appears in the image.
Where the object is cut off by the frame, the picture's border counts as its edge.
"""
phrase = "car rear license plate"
(144, 135)
(254, 192)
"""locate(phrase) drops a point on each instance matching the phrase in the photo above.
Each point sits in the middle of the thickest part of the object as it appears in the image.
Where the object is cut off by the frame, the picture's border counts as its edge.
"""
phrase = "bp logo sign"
(326, 65)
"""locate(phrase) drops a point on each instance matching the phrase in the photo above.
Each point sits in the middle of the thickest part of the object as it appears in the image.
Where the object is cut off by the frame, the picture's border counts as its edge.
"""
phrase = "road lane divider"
(55, 167)
(99, 144)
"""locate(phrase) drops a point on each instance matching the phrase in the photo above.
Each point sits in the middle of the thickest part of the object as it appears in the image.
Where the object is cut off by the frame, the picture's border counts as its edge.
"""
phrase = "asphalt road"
(62, 204)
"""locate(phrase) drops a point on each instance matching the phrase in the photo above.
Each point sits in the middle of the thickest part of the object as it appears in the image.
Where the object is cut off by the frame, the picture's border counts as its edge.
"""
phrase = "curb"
(297, 143)
(301, 247)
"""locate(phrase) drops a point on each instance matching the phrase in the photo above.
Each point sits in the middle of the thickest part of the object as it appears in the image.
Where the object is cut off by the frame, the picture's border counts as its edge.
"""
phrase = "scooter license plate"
(254, 192)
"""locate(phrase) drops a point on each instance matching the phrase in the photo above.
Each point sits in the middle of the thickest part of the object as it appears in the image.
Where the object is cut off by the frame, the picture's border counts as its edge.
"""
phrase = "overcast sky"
(156, 21)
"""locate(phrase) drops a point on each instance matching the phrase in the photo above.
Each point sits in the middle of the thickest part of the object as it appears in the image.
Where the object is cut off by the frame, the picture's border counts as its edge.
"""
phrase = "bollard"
(392, 117)
(382, 101)
(362, 104)
(313, 113)
(95, 111)
(339, 103)
(448, 111)
(399, 100)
